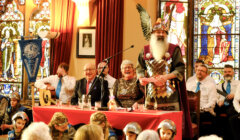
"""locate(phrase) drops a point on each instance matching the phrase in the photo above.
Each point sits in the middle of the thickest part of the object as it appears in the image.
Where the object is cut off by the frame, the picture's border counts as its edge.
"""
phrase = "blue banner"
(31, 53)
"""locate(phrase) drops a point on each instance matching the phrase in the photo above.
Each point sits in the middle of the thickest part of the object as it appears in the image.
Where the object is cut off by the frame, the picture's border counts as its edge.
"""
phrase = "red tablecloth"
(149, 119)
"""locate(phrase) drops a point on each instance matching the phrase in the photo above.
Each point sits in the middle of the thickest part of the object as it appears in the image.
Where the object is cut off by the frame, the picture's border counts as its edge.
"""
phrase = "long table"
(148, 119)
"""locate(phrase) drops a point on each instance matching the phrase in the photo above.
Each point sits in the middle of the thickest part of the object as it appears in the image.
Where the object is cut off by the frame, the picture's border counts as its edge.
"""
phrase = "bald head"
(89, 71)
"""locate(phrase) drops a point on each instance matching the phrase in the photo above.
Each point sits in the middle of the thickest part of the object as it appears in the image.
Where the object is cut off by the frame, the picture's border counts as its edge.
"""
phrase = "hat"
(59, 119)
(159, 25)
(15, 95)
(168, 124)
(132, 127)
(21, 115)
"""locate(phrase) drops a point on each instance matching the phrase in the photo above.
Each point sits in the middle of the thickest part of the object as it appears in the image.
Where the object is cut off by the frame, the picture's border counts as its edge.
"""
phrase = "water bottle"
(83, 102)
(80, 103)
(89, 105)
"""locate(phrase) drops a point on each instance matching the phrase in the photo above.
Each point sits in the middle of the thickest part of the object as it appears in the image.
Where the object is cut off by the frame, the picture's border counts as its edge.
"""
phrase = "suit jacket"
(95, 92)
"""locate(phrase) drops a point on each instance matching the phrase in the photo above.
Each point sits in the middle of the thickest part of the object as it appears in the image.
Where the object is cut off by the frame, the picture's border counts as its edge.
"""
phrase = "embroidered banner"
(31, 53)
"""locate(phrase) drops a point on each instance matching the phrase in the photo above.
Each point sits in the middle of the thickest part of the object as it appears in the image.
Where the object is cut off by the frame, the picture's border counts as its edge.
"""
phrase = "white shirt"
(67, 88)
(208, 90)
(234, 85)
(110, 80)
(236, 100)
(194, 78)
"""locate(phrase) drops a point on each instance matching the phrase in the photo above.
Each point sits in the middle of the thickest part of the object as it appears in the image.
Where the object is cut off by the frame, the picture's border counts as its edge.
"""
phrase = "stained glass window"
(40, 21)
(177, 33)
(11, 28)
(216, 35)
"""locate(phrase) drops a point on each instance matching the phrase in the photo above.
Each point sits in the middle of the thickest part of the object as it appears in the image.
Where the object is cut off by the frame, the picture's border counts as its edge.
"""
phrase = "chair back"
(194, 107)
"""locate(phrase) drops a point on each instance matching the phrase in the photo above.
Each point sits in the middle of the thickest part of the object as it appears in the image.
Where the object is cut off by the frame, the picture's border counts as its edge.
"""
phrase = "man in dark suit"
(99, 92)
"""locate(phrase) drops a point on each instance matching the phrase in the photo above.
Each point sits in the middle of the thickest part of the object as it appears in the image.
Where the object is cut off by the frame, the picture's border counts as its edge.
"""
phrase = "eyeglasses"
(88, 69)
(101, 68)
(129, 67)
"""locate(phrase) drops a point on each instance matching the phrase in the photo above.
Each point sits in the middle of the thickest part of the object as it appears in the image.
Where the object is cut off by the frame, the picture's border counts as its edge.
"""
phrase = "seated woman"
(100, 119)
(127, 90)
(60, 128)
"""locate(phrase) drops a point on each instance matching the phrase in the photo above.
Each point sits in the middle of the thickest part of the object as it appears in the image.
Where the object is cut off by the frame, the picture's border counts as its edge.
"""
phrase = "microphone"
(107, 59)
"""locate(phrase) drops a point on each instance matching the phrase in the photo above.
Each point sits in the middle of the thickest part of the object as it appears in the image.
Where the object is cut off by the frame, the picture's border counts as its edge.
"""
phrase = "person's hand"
(220, 103)
(230, 96)
(6, 126)
(50, 88)
(135, 105)
(143, 82)
(160, 80)
(159, 83)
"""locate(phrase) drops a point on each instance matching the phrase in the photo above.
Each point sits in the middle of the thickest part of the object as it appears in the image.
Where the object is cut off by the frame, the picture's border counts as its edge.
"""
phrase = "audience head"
(167, 130)
(228, 72)
(36, 131)
(132, 130)
(100, 119)
(197, 64)
(89, 132)
(89, 71)
(100, 67)
(59, 122)
(211, 137)
(15, 99)
(20, 119)
(202, 72)
(127, 69)
(62, 69)
(148, 135)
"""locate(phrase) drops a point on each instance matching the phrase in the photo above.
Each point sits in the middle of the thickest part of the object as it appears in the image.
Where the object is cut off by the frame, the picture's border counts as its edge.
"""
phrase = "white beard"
(158, 48)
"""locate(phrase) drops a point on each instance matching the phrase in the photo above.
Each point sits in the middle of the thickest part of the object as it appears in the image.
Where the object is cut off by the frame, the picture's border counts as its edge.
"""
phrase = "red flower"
(202, 8)
(224, 18)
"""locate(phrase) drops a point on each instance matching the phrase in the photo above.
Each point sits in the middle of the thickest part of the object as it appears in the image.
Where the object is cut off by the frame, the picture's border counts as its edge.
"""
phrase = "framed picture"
(86, 42)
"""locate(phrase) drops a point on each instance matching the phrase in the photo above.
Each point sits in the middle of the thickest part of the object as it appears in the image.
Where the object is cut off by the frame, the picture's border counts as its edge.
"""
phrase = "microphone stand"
(100, 77)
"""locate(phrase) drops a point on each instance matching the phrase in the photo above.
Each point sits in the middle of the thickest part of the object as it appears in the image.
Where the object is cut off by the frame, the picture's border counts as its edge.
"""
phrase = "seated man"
(61, 82)
(194, 77)
(107, 77)
(208, 91)
(84, 87)
(235, 119)
(226, 91)
(15, 106)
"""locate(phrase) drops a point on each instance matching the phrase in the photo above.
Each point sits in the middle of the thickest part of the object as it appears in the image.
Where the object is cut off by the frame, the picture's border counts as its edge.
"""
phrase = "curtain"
(109, 33)
(62, 20)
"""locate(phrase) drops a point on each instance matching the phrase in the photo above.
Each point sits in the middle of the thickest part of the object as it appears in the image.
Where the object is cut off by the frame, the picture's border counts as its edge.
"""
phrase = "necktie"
(59, 87)
(228, 89)
(87, 87)
(198, 87)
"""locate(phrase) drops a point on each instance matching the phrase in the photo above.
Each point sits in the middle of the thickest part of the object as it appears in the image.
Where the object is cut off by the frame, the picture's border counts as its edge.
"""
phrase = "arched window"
(216, 35)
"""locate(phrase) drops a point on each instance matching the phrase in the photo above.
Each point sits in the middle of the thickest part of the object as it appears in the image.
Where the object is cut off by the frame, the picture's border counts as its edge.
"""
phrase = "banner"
(31, 53)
